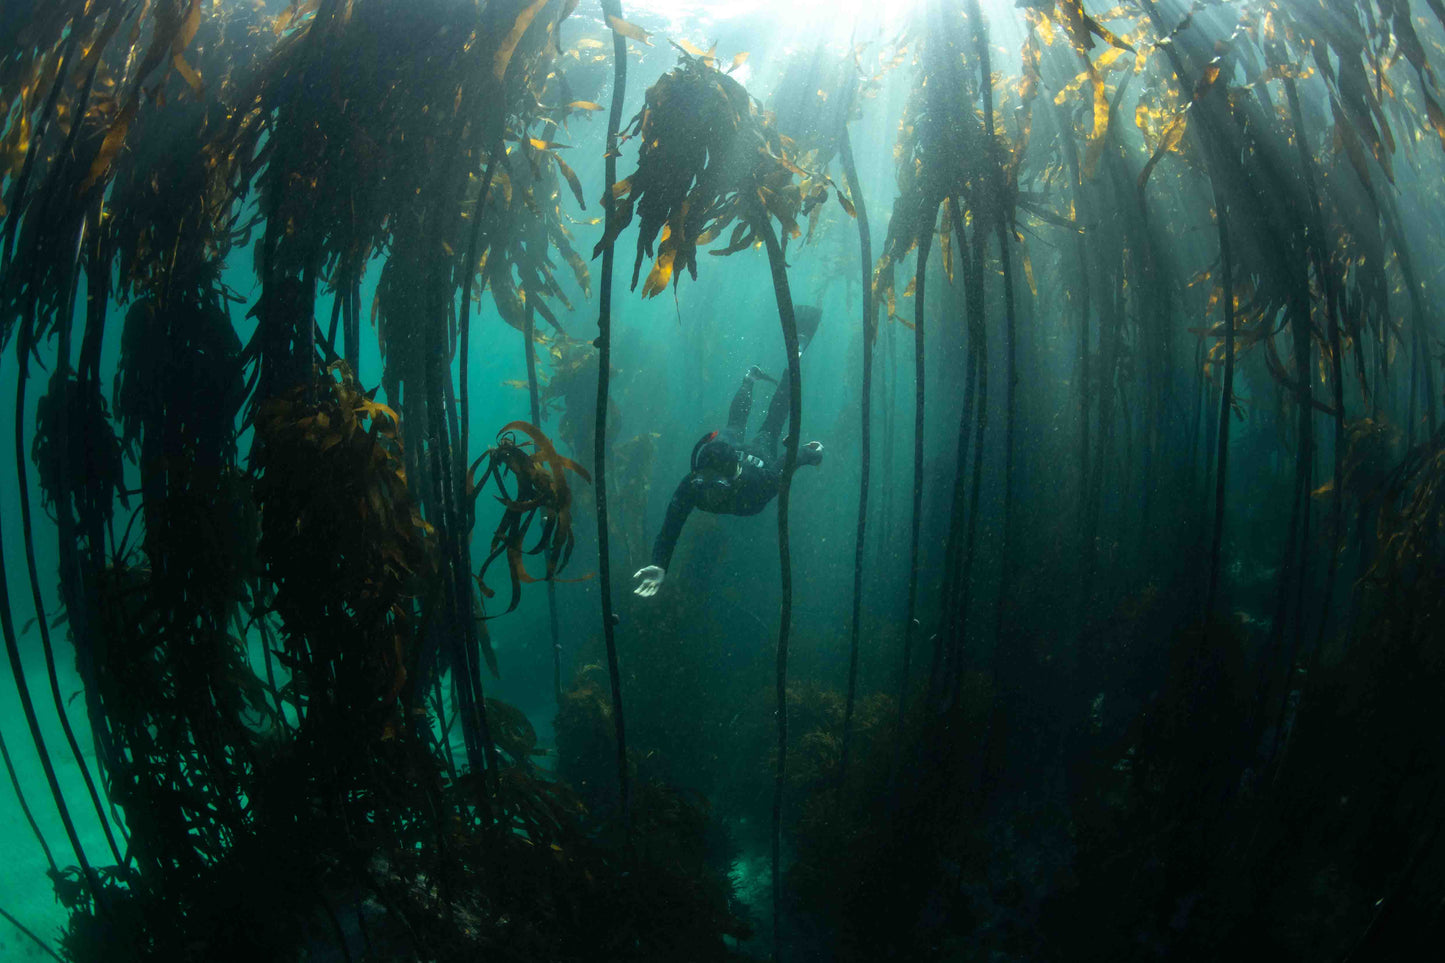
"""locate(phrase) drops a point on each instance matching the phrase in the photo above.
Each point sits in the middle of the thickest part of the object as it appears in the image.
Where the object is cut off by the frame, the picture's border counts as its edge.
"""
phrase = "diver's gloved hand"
(649, 580)
(811, 453)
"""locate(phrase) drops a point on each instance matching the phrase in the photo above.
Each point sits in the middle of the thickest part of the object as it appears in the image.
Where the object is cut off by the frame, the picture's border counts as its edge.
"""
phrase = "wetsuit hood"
(714, 455)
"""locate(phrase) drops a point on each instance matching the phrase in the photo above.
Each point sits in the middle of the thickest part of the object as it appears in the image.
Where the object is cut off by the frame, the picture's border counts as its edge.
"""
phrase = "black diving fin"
(807, 317)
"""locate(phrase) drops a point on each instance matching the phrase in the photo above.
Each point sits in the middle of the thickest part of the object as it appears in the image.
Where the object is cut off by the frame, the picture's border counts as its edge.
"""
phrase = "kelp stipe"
(865, 435)
(690, 186)
(529, 339)
(612, 11)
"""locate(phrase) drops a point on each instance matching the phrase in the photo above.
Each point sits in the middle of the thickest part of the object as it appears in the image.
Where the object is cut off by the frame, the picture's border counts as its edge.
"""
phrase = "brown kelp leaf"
(1349, 138)
(189, 25)
(629, 30)
(110, 146)
(188, 73)
(546, 450)
(583, 105)
(1435, 114)
(738, 61)
(502, 184)
(1101, 107)
(1173, 134)
(509, 43)
(569, 7)
(290, 15)
(182, 39)
(572, 180)
(742, 237)
(1072, 87)
(1206, 80)
(661, 272)
(1080, 26)
(780, 204)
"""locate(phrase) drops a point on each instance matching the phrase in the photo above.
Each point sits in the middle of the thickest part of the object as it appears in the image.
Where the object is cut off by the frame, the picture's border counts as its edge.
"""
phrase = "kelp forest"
(1096, 609)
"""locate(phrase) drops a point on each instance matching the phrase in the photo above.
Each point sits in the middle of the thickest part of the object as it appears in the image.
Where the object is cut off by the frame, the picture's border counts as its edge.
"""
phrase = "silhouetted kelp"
(541, 486)
(1224, 750)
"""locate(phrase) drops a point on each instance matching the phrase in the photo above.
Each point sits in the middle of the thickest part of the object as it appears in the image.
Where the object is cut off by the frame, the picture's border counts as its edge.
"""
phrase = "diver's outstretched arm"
(650, 577)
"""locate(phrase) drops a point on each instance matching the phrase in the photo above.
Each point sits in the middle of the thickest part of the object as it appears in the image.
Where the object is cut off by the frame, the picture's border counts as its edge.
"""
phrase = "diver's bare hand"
(649, 580)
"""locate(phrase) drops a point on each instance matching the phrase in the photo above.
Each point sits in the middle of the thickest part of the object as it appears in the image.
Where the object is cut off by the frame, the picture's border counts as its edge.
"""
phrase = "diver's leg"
(741, 407)
(806, 317)
(767, 437)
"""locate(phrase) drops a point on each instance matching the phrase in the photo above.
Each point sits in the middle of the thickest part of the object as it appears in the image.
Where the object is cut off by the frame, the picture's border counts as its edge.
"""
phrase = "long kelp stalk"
(889, 372)
(93, 498)
(30, 935)
(1418, 337)
(925, 244)
(24, 806)
(534, 398)
(1325, 270)
(784, 298)
(27, 704)
(1226, 395)
(972, 254)
(464, 324)
(1207, 131)
(24, 348)
(865, 248)
(996, 201)
(951, 614)
(611, 9)
(1088, 506)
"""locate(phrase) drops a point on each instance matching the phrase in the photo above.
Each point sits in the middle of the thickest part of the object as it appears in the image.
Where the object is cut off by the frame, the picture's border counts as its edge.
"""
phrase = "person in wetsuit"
(729, 477)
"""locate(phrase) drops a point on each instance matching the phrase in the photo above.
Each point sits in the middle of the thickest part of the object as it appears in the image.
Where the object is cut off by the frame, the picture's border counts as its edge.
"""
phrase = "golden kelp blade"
(514, 36)
(545, 448)
(572, 180)
(629, 30)
(661, 271)
(1170, 141)
(110, 146)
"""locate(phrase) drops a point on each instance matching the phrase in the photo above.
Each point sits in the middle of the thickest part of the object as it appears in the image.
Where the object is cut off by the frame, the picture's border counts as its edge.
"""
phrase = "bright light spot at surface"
(806, 15)
(767, 27)
(775, 23)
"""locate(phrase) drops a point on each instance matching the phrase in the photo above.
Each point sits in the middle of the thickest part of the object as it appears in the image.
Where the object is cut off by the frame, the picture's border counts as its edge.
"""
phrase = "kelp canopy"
(1144, 634)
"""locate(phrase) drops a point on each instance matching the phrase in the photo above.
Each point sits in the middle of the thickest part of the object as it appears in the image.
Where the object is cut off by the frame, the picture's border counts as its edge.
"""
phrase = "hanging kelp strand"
(614, 221)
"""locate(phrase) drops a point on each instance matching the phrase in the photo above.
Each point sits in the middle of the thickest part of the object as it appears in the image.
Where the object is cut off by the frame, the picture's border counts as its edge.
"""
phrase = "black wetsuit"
(746, 487)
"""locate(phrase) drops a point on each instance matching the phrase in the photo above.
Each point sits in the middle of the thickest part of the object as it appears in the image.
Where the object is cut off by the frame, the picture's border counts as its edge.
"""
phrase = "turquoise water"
(1143, 666)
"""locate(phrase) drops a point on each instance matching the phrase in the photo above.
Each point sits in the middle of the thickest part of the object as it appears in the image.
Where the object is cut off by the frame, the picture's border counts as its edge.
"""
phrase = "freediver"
(728, 477)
